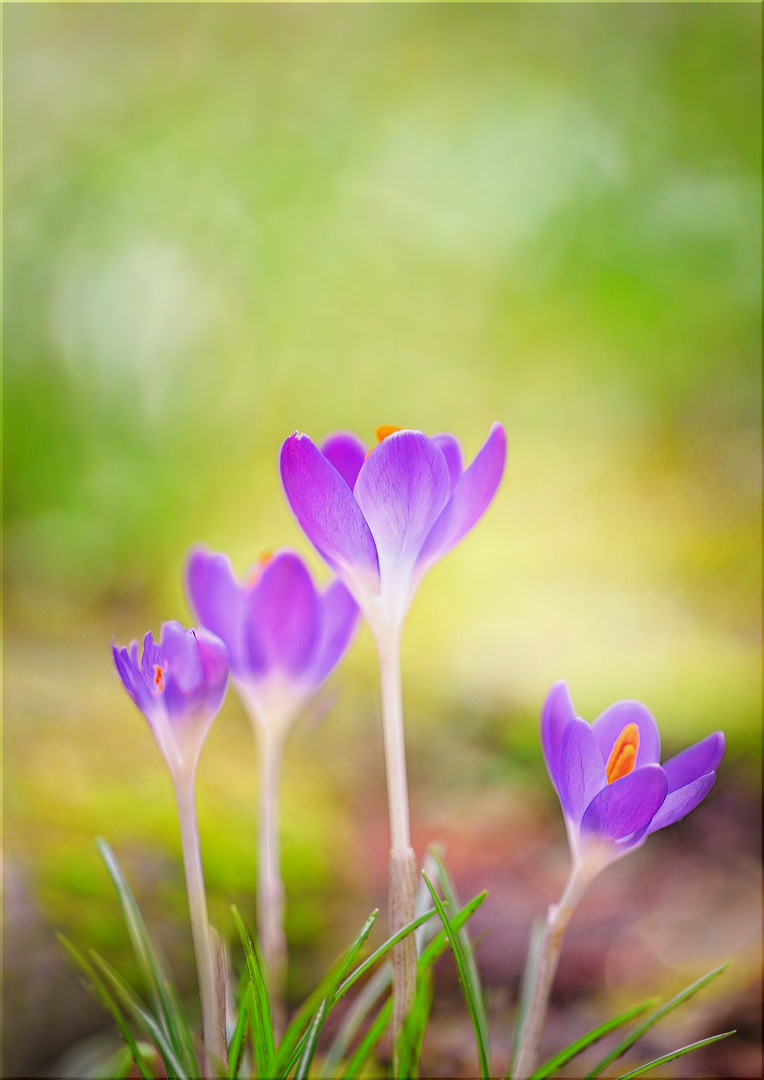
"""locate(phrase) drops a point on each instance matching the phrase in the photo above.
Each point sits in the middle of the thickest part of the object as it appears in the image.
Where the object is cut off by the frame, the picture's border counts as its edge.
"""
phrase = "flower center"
(158, 678)
(382, 432)
(624, 753)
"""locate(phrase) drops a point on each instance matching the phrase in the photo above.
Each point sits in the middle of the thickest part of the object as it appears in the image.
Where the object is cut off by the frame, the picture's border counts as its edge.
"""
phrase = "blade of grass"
(675, 1054)
(327, 988)
(359, 1009)
(412, 1032)
(638, 1031)
(238, 1039)
(380, 952)
(566, 1055)
(440, 942)
(262, 1025)
(370, 1040)
(309, 1049)
(166, 1003)
(472, 1003)
(473, 978)
(99, 986)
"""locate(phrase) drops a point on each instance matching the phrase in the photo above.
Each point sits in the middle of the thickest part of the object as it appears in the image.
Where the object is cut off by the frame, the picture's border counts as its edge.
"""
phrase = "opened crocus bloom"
(283, 636)
(613, 790)
(382, 518)
(178, 684)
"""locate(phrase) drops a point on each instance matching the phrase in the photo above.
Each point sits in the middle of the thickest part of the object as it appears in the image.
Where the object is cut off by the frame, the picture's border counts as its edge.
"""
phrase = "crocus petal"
(216, 597)
(401, 489)
(129, 671)
(452, 451)
(697, 760)
(582, 773)
(339, 625)
(627, 805)
(681, 801)
(284, 615)
(328, 514)
(346, 452)
(213, 657)
(609, 725)
(557, 713)
(469, 500)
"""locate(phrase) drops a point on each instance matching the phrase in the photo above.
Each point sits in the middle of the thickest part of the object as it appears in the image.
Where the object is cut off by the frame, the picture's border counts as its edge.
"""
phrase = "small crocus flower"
(382, 517)
(178, 684)
(613, 790)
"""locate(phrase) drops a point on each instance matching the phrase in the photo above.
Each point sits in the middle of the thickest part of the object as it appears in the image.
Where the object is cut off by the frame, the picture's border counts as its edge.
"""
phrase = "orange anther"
(624, 754)
(158, 678)
(255, 573)
(382, 432)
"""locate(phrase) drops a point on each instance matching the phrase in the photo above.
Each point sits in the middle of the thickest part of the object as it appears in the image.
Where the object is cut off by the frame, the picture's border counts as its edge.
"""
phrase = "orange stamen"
(262, 561)
(158, 678)
(382, 432)
(624, 754)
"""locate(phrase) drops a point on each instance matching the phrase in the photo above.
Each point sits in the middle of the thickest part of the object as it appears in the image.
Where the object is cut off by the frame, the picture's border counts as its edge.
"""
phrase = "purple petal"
(452, 451)
(346, 452)
(216, 597)
(339, 625)
(557, 713)
(283, 616)
(183, 674)
(213, 657)
(627, 805)
(401, 490)
(327, 512)
(697, 760)
(469, 501)
(582, 774)
(131, 675)
(681, 801)
(609, 725)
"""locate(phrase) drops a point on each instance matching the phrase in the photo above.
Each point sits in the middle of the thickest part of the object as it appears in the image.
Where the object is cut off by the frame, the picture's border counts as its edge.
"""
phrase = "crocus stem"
(270, 887)
(213, 1023)
(402, 894)
(557, 920)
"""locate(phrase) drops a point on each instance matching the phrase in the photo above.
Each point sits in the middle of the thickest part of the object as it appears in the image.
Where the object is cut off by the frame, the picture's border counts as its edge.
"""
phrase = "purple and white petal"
(213, 656)
(582, 773)
(216, 597)
(556, 714)
(452, 451)
(346, 453)
(129, 670)
(681, 801)
(340, 622)
(401, 490)
(609, 725)
(469, 501)
(328, 514)
(284, 610)
(697, 760)
(627, 805)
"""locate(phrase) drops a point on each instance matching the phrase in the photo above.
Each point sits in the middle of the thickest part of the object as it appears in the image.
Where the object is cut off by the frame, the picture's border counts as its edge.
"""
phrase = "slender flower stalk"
(179, 685)
(613, 793)
(381, 518)
(284, 638)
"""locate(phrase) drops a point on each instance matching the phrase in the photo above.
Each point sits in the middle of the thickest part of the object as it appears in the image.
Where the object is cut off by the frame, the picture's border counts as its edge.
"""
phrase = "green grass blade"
(380, 952)
(262, 1023)
(166, 1004)
(675, 1054)
(238, 1039)
(327, 988)
(566, 1055)
(100, 988)
(440, 942)
(370, 1040)
(473, 1004)
(141, 1015)
(638, 1031)
(412, 1032)
(309, 1048)
(359, 1009)
(473, 977)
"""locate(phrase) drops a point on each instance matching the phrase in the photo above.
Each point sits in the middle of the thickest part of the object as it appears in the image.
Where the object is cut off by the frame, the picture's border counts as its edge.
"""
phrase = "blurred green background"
(224, 223)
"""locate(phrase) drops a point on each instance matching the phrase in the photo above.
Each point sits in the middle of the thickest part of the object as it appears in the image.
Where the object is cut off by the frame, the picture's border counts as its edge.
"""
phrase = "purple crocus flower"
(382, 518)
(613, 790)
(283, 636)
(178, 684)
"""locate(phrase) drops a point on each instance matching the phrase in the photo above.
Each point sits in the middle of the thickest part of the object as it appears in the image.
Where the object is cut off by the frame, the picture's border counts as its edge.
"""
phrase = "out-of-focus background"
(225, 223)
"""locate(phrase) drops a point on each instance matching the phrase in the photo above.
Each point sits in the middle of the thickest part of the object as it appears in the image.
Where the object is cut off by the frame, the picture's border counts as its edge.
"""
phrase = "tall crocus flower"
(381, 518)
(179, 684)
(613, 793)
(284, 638)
